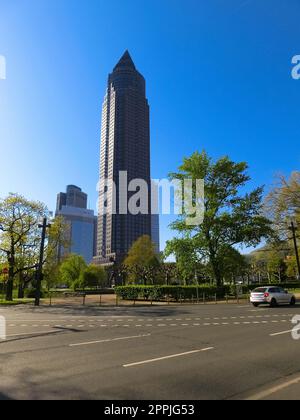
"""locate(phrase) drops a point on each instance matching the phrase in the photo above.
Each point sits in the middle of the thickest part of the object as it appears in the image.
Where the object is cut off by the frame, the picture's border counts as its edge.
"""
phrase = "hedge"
(177, 293)
(172, 292)
(247, 289)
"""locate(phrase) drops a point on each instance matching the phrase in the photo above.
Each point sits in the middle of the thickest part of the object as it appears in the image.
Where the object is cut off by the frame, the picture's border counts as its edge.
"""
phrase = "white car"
(272, 296)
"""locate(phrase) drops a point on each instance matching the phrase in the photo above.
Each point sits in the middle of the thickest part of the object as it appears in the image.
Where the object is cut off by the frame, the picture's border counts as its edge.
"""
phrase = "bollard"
(100, 300)
(203, 298)
(83, 303)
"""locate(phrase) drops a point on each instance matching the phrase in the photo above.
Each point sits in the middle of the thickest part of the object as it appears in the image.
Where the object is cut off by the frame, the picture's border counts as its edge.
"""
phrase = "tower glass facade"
(72, 206)
(125, 146)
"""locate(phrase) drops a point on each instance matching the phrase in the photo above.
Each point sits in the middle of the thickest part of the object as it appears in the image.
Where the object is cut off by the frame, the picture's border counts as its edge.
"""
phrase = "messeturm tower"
(125, 148)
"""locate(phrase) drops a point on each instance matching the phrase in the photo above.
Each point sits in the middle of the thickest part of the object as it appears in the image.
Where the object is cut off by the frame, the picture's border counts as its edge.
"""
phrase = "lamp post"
(39, 273)
(294, 228)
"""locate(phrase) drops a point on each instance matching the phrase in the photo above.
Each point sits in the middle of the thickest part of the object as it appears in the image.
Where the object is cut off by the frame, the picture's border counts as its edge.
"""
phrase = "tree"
(187, 259)
(71, 270)
(93, 276)
(234, 264)
(168, 272)
(142, 261)
(276, 266)
(283, 203)
(58, 237)
(291, 267)
(19, 220)
(282, 206)
(230, 218)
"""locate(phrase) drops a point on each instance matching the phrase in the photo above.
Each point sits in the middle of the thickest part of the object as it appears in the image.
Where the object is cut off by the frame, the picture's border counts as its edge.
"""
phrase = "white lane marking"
(172, 356)
(274, 390)
(284, 332)
(109, 340)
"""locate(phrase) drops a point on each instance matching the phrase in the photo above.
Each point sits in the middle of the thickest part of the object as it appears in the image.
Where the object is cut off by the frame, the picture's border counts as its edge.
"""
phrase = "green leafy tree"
(71, 270)
(19, 219)
(169, 273)
(234, 264)
(283, 203)
(93, 276)
(58, 237)
(291, 267)
(142, 262)
(276, 266)
(282, 206)
(231, 218)
(187, 258)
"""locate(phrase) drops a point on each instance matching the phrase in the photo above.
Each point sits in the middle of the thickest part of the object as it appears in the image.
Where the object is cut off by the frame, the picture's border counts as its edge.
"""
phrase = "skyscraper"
(72, 206)
(125, 146)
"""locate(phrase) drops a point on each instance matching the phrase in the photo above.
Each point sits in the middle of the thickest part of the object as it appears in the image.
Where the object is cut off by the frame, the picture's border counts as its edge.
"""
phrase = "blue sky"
(218, 78)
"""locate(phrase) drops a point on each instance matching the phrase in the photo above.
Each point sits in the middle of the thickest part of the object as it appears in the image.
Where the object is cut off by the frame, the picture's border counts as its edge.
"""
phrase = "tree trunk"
(10, 284)
(21, 287)
(217, 274)
(11, 272)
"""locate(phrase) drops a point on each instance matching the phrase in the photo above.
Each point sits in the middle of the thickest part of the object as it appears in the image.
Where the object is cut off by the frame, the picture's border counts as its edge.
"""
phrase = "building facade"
(125, 147)
(72, 206)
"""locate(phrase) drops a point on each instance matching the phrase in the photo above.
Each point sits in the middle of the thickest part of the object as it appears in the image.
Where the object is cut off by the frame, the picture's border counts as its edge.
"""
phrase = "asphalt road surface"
(154, 353)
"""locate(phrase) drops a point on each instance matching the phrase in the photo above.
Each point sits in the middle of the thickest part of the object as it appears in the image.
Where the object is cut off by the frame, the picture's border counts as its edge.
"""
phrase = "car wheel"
(293, 301)
(256, 305)
(273, 303)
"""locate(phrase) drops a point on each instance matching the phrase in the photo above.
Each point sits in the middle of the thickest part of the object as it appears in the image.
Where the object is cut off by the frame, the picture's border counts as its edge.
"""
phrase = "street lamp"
(293, 227)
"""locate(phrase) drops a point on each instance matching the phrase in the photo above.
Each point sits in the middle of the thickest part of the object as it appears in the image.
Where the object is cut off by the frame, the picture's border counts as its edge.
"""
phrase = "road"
(182, 352)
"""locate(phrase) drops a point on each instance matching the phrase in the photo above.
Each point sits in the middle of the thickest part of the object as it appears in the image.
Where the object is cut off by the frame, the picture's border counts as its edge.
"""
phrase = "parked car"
(272, 296)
